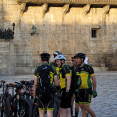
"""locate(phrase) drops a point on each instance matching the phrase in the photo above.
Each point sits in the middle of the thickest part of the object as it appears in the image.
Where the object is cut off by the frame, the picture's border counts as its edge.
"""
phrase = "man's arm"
(34, 86)
(56, 81)
(94, 82)
(68, 77)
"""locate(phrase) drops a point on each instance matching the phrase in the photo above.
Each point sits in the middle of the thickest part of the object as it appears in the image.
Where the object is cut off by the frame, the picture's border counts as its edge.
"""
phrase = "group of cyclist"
(76, 82)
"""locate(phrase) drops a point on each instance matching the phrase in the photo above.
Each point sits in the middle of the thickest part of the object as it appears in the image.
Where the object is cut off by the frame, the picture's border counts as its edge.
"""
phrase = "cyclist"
(57, 94)
(55, 54)
(65, 82)
(43, 86)
(73, 68)
(88, 82)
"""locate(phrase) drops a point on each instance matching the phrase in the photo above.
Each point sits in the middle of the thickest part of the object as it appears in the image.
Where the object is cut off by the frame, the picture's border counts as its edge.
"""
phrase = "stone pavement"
(105, 104)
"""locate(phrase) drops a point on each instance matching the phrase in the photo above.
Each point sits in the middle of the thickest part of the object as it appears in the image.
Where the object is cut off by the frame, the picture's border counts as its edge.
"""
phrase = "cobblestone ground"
(105, 104)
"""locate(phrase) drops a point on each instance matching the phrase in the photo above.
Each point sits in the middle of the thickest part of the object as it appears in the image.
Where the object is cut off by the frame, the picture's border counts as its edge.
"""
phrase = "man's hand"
(94, 94)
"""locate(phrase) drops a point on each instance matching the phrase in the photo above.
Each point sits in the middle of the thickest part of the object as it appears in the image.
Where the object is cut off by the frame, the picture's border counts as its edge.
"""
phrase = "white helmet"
(60, 57)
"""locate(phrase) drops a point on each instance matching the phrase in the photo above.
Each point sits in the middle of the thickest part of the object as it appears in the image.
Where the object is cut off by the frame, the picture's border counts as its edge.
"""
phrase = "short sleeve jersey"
(62, 73)
(52, 71)
(85, 72)
(53, 64)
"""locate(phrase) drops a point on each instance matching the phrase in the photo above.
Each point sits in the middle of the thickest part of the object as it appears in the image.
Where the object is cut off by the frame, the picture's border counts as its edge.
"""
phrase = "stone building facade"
(71, 26)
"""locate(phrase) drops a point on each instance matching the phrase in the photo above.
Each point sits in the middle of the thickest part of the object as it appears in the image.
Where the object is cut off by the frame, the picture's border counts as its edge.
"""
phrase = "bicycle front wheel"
(25, 108)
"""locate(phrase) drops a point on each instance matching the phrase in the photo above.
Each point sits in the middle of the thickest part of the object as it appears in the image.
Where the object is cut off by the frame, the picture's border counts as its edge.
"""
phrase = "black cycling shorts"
(46, 101)
(84, 96)
(65, 102)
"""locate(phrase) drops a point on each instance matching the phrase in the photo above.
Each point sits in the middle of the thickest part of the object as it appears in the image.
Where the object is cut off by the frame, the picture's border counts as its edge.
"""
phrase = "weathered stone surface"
(71, 1)
(58, 27)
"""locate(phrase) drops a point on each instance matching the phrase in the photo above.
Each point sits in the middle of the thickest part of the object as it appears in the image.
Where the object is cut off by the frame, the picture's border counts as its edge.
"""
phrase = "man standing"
(65, 82)
(57, 94)
(74, 80)
(43, 86)
(55, 54)
(74, 63)
(88, 83)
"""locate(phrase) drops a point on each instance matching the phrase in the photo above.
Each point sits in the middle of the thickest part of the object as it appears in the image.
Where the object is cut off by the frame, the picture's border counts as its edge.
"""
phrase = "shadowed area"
(69, 28)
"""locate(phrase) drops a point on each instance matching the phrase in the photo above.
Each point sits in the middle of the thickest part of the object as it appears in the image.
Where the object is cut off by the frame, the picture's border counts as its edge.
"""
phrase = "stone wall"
(66, 28)
(70, 1)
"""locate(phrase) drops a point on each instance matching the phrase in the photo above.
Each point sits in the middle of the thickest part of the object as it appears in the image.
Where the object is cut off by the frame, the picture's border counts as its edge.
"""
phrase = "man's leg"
(68, 112)
(50, 105)
(89, 110)
(83, 110)
(41, 113)
(49, 113)
(87, 99)
(63, 112)
(72, 104)
(76, 110)
(59, 112)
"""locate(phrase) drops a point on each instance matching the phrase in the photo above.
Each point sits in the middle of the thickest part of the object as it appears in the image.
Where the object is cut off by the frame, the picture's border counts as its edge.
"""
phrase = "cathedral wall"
(70, 29)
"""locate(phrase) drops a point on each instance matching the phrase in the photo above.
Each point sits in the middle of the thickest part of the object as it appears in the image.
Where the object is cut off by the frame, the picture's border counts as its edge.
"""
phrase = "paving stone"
(104, 105)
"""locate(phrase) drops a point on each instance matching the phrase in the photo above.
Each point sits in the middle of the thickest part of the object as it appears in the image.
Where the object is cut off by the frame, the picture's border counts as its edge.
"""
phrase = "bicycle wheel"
(56, 106)
(1, 98)
(25, 108)
(8, 107)
(35, 111)
(55, 112)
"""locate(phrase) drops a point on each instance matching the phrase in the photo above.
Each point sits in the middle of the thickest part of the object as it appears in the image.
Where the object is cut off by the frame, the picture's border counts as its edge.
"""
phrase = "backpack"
(44, 82)
(75, 81)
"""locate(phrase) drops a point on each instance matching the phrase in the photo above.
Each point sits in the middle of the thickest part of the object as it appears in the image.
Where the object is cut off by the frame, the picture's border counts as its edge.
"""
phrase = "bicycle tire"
(35, 111)
(1, 98)
(8, 107)
(55, 112)
(25, 108)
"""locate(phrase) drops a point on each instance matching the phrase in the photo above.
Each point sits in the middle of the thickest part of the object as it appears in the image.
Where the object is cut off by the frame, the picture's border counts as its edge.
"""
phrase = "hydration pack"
(44, 82)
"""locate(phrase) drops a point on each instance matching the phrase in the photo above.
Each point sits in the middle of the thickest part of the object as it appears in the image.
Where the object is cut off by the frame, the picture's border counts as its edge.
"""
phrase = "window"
(94, 33)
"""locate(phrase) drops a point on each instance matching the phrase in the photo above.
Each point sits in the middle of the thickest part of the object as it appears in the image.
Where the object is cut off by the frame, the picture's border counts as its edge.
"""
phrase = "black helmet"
(57, 53)
(80, 55)
(45, 56)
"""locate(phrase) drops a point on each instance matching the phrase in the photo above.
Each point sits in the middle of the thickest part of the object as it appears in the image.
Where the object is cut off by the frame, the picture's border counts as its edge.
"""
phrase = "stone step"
(113, 68)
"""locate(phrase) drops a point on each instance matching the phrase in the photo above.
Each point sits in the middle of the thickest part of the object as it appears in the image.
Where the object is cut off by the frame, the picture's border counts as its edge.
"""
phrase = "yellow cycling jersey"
(62, 73)
(51, 71)
(85, 72)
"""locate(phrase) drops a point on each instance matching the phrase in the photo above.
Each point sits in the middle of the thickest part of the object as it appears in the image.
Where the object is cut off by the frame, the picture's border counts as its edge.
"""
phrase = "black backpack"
(75, 81)
(44, 82)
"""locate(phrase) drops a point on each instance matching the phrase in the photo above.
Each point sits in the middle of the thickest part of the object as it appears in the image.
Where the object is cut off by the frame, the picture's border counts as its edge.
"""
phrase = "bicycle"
(20, 106)
(5, 97)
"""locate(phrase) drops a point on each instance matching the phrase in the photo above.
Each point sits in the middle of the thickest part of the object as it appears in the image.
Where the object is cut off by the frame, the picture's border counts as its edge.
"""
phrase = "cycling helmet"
(57, 53)
(80, 55)
(45, 56)
(60, 57)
